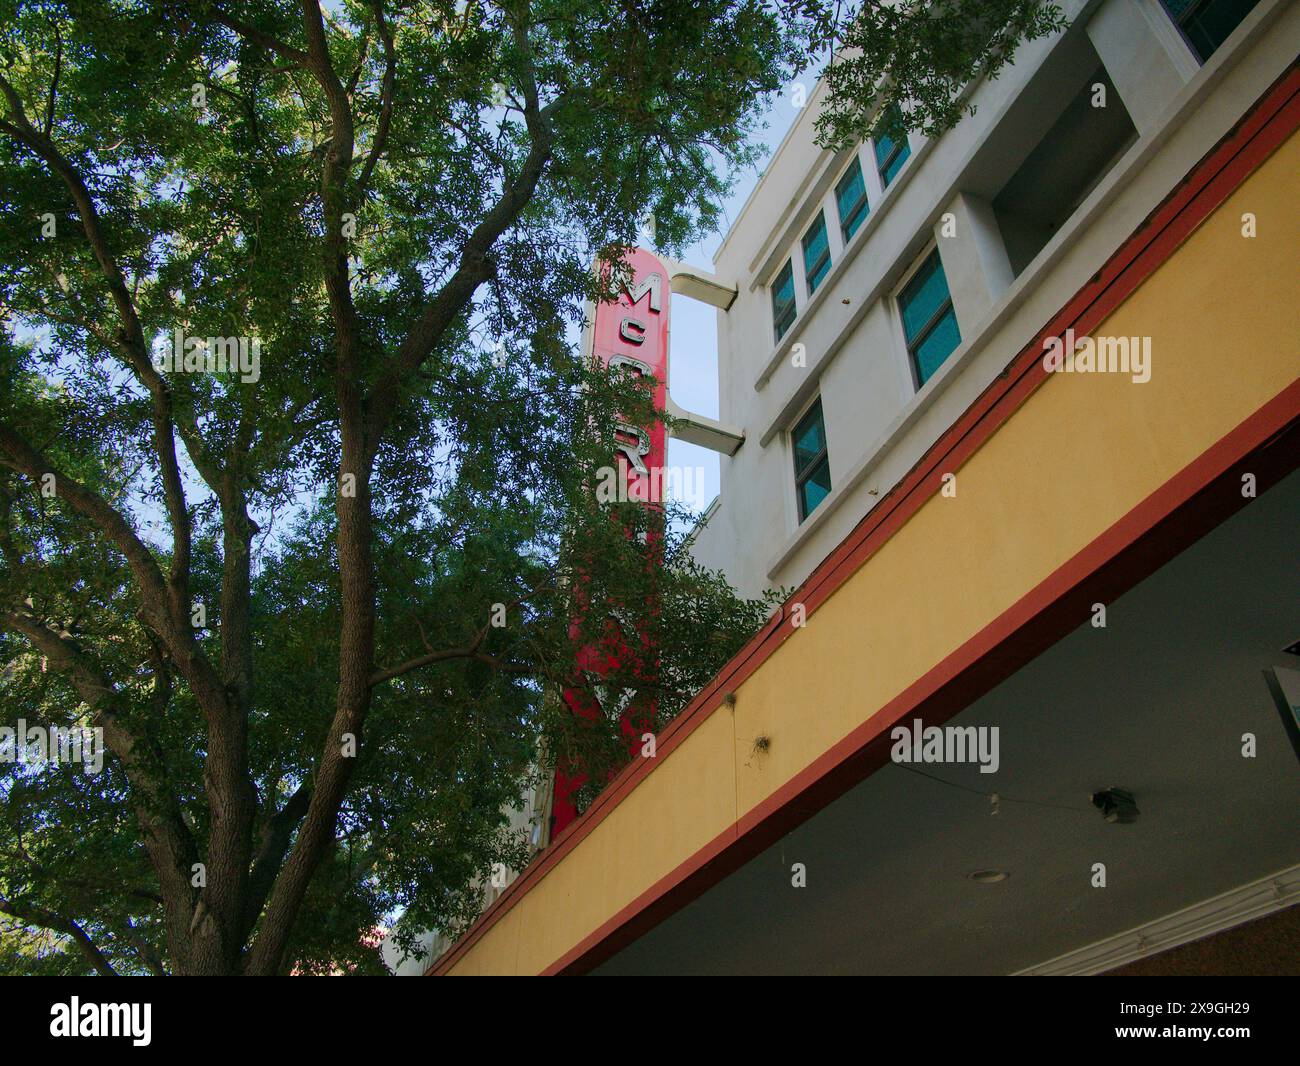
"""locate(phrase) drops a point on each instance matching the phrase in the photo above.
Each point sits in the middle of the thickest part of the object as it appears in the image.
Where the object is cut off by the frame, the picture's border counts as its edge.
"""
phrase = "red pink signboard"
(629, 335)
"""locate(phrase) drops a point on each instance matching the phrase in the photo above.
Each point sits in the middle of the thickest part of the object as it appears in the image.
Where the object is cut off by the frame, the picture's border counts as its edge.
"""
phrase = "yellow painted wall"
(1081, 453)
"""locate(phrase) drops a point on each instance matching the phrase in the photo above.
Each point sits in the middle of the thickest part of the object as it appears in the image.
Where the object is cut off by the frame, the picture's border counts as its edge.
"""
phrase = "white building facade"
(881, 289)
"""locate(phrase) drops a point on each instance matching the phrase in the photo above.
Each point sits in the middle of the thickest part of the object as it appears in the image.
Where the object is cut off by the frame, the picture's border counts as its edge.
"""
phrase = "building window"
(891, 146)
(783, 310)
(816, 253)
(1207, 23)
(929, 322)
(812, 470)
(851, 199)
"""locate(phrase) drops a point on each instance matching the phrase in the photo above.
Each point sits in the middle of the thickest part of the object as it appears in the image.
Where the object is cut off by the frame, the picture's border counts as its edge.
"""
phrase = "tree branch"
(469, 651)
(146, 952)
(354, 547)
(132, 341)
(263, 40)
(47, 919)
(18, 455)
(276, 835)
(156, 607)
(475, 267)
(170, 846)
(386, 93)
(360, 440)
(54, 81)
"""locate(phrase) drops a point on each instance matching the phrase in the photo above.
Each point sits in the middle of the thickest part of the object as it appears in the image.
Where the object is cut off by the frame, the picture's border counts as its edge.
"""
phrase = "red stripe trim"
(1272, 120)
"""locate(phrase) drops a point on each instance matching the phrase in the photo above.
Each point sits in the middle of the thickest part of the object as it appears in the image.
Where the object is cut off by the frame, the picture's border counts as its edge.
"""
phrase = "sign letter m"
(652, 284)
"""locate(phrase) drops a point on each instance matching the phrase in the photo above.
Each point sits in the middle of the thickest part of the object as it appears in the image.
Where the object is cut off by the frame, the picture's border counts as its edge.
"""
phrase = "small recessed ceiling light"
(989, 877)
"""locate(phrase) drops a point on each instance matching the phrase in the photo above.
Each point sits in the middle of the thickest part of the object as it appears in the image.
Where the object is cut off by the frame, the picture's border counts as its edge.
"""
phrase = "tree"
(290, 414)
(268, 568)
(897, 66)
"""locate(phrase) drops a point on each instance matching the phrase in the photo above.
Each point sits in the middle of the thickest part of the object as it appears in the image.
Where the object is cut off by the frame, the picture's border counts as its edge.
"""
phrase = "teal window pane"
(851, 200)
(809, 440)
(815, 489)
(1207, 23)
(884, 148)
(929, 322)
(812, 471)
(890, 171)
(891, 147)
(783, 307)
(937, 345)
(923, 297)
(816, 254)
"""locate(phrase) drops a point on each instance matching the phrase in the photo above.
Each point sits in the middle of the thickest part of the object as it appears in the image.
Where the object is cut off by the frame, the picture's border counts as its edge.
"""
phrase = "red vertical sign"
(631, 334)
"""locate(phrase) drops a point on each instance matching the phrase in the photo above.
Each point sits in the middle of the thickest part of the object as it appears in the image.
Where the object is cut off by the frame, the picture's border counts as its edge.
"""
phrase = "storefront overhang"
(935, 867)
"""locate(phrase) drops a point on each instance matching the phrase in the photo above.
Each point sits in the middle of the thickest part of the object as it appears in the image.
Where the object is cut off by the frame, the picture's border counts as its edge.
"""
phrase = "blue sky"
(693, 342)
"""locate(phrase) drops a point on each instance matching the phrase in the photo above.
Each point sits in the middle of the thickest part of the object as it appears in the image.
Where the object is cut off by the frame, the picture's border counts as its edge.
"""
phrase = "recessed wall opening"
(1049, 149)
(1090, 133)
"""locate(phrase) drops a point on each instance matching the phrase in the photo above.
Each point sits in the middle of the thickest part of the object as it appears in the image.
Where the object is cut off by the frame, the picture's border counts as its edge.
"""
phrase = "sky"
(693, 340)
